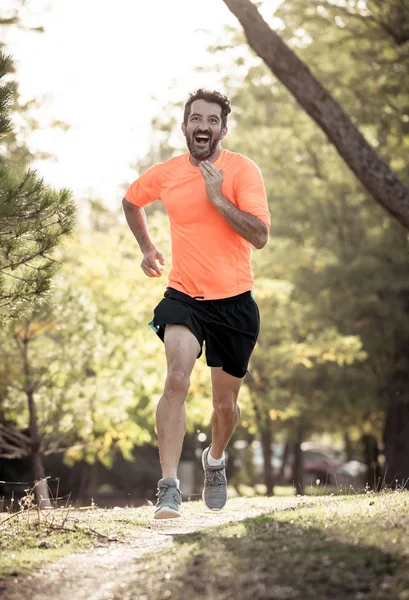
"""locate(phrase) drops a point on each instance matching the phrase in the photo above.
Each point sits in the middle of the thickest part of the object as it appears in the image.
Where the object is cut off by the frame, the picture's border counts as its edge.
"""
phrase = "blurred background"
(97, 92)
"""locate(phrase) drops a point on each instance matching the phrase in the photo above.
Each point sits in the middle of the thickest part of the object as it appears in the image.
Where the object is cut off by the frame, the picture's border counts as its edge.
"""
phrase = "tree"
(374, 174)
(328, 218)
(33, 220)
(343, 258)
(87, 361)
(18, 15)
(65, 389)
(296, 369)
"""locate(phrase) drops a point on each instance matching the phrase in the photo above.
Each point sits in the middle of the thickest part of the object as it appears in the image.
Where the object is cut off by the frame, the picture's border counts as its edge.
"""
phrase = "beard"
(199, 151)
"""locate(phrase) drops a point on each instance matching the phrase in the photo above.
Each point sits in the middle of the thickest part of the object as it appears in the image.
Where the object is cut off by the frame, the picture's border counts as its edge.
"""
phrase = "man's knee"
(177, 385)
(225, 405)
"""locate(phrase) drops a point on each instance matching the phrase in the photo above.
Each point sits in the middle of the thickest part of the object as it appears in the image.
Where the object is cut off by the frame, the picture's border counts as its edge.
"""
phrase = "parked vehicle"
(321, 466)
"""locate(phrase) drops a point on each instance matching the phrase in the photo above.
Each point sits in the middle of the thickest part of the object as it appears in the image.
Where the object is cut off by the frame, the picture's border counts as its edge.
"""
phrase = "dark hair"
(208, 96)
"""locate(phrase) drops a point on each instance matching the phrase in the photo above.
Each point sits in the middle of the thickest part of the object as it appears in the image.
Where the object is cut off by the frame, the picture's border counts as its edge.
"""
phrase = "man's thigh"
(181, 348)
(176, 309)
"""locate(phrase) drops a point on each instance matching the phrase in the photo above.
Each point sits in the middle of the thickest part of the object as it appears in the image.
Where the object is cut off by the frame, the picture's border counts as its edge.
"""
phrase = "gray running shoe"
(169, 504)
(215, 485)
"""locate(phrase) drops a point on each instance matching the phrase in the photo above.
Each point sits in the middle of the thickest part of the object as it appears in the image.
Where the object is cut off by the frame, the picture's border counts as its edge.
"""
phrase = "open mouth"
(202, 139)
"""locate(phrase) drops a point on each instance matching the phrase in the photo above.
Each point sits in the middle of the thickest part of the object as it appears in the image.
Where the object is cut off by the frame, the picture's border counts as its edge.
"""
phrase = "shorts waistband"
(171, 292)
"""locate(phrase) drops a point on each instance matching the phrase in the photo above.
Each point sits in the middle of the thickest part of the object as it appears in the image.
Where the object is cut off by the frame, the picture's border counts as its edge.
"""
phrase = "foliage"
(335, 260)
(332, 283)
(33, 220)
(96, 368)
(84, 403)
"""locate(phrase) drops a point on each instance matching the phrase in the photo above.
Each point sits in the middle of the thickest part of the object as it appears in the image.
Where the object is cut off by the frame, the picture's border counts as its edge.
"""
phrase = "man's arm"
(248, 226)
(136, 219)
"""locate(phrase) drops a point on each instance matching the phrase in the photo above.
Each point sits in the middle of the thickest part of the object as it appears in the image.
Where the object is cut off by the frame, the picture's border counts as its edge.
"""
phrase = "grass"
(289, 490)
(338, 548)
(32, 538)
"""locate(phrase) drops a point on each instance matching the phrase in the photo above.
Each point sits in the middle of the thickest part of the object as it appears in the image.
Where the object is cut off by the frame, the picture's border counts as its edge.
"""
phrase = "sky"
(106, 68)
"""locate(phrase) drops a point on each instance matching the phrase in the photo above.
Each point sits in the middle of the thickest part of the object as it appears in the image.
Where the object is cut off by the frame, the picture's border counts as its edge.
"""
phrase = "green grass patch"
(335, 547)
(31, 538)
(247, 491)
(34, 537)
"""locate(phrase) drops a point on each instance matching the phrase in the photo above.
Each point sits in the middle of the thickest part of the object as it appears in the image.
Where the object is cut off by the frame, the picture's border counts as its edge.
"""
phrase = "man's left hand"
(214, 181)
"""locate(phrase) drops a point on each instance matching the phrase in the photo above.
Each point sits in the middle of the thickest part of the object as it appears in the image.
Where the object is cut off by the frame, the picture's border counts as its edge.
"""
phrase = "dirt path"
(105, 573)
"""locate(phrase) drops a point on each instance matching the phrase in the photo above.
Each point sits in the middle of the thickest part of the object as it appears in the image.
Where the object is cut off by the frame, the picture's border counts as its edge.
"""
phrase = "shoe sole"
(203, 493)
(214, 509)
(167, 513)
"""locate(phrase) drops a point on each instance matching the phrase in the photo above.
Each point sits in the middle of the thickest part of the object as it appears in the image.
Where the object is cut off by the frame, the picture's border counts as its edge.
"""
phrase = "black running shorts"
(229, 327)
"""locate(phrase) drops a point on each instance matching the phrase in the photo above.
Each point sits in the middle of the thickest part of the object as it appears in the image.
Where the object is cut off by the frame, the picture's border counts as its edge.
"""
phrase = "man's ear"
(184, 129)
(224, 133)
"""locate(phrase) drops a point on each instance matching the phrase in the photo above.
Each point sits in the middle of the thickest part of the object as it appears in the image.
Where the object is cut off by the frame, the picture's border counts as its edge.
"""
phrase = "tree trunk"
(348, 447)
(298, 467)
(266, 442)
(374, 174)
(396, 441)
(264, 427)
(286, 454)
(84, 481)
(371, 455)
(2, 416)
(41, 489)
(93, 482)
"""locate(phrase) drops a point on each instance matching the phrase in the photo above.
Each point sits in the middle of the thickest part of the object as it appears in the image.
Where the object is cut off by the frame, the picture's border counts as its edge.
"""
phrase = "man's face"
(203, 130)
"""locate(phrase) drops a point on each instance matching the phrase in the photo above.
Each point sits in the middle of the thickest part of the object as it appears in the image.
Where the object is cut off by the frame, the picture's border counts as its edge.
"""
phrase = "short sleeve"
(147, 188)
(251, 192)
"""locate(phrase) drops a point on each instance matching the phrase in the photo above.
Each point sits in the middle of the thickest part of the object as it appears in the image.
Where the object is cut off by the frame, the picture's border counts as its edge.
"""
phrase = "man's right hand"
(149, 264)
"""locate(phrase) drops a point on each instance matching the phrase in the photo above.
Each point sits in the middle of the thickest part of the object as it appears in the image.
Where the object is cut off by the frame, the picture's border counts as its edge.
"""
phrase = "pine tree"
(33, 220)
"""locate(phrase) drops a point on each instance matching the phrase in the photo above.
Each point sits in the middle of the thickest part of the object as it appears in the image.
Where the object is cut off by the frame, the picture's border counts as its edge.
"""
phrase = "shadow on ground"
(266, 558)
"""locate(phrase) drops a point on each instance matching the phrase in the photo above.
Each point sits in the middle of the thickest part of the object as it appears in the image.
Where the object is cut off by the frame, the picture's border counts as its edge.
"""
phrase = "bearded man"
(217, 207)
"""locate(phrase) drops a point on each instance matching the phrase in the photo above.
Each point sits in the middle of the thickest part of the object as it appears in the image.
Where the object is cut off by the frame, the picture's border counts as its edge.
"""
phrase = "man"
(217, 207)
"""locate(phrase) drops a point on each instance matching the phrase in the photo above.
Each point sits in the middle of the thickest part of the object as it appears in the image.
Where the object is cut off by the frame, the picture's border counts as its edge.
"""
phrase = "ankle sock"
(175, 478)
(214, 462)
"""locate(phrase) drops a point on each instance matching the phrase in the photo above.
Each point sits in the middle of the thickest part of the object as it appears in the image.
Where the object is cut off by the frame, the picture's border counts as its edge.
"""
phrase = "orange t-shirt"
(209, 258)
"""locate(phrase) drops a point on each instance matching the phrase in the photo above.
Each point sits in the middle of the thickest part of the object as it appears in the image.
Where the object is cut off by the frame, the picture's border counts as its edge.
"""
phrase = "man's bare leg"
(181, 349)
(226, 415)
(226, 412)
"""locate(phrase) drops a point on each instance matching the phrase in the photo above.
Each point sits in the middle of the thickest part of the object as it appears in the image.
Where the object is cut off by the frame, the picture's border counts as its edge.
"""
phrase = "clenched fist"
(149, 263)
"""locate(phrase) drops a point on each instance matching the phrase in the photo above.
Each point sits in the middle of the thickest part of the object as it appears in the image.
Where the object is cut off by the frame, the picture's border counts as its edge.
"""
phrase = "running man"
(217, 207)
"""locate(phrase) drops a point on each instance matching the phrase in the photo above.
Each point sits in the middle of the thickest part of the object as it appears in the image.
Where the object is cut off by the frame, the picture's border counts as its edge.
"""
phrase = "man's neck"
(211, 158)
